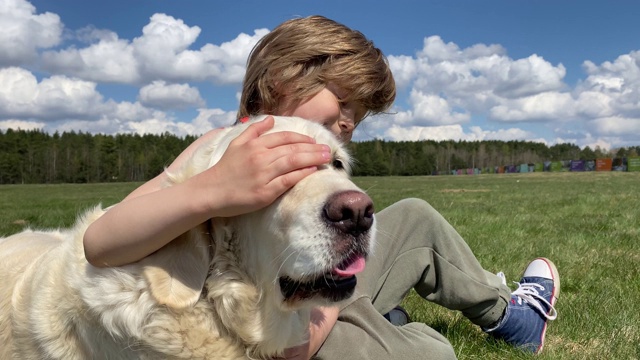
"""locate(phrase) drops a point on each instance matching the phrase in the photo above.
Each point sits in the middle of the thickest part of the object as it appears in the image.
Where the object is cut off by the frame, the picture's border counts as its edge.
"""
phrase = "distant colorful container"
(538, 167)
(576, 165)
(604, 164)
(633, 164)
(556, 166)
(524, 168)
(619, 164)
(589, 165)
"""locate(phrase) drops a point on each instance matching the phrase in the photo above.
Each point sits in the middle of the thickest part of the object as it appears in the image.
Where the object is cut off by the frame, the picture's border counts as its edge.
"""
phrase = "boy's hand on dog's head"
(257, 168)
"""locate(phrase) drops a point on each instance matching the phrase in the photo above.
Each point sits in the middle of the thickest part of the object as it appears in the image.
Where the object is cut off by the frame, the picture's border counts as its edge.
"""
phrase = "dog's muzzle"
(349, 215)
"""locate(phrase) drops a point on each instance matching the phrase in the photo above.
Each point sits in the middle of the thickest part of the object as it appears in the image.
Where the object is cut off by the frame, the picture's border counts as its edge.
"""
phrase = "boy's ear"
(176, 273)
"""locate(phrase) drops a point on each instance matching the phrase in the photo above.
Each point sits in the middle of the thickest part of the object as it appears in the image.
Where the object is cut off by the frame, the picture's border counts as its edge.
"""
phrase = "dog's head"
(311, 242)
(303, 250)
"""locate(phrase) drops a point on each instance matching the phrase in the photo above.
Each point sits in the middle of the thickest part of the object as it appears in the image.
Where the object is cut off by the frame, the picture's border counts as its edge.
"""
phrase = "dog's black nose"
(350, 212)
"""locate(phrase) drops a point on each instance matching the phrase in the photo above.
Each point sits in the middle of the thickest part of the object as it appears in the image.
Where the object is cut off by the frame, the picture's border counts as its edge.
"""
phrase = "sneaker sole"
(554, 296)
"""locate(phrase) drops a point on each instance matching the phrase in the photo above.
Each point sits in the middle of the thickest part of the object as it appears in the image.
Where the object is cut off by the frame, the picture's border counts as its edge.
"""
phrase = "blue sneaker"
(398, 316)
(524, 322)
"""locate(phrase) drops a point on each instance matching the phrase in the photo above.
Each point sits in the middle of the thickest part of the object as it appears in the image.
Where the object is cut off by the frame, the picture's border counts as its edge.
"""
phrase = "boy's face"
(326, 108)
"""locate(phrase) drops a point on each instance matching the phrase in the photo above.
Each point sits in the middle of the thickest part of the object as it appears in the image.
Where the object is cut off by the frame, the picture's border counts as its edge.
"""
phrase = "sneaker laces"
(528, 293)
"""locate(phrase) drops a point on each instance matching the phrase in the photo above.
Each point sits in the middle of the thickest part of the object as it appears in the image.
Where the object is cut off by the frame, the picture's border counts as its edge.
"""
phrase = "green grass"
(587, 223)
(52, 206)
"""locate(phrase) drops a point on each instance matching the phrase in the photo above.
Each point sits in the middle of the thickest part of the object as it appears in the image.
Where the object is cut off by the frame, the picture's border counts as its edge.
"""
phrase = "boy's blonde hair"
(301, 56)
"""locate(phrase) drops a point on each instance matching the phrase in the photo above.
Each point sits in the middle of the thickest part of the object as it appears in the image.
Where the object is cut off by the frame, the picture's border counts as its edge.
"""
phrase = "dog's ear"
(176, 273)
(229, 289)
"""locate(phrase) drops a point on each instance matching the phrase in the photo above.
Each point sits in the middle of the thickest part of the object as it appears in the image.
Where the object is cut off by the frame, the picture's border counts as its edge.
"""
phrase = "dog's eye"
(337, 163)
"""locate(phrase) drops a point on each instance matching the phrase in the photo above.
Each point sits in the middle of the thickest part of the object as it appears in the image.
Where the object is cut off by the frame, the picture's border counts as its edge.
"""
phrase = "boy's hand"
(256, 169)
(322, 321)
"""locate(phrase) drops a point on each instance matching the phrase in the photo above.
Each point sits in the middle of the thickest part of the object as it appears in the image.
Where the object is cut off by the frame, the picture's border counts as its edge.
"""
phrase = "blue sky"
(549, 71)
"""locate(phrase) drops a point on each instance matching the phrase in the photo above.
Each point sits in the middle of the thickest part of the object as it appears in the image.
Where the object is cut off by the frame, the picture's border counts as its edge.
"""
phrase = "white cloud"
(21, 124)
(162, 52)
(132, 118)
(387, 127)
(455, 132)
(608, 101)
(127, 111)
(226, 63)
(165, 96)
(429, 109)
(593, 104)
(616, 126)
(617, 83)
(163, 40)
(530, 76)
(593, 143)
(117, 122)
(548, 106)
(109, 60)
(404, 69)
(157, 126)
(63, 104)
(450, 85)
(208, 119)
(24, 32)
(57, 97)
(475, 80)
(91, 34)
(414, 133)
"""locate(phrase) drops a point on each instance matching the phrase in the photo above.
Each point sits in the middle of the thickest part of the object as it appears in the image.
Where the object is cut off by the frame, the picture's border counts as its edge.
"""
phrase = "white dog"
(232, 288)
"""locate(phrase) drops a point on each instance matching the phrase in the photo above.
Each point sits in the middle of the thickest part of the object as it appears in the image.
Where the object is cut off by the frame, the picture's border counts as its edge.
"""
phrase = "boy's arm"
(157, 182)
(252, 173)
(322, 321)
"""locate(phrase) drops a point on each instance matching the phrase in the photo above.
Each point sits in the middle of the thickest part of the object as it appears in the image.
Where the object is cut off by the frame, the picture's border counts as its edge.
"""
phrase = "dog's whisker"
(277, 257)
(370, 187)
(282, 264)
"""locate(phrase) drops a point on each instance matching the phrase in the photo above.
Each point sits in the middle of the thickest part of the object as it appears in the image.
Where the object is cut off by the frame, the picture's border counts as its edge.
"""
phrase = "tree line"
(33, 156)
(428, 157)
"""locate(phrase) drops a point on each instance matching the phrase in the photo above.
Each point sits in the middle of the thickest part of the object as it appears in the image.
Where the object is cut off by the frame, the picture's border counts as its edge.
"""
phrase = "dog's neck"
(247, 308)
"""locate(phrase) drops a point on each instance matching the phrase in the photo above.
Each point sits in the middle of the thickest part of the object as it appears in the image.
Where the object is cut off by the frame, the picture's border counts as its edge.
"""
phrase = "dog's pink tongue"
(356, 266)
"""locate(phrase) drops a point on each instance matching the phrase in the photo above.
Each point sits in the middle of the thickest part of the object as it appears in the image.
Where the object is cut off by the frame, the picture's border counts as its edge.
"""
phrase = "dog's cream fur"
(211, 293)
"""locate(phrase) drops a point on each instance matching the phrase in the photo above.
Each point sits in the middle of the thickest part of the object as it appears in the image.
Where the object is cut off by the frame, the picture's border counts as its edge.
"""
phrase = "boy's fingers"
(275, 139)
(288, 180)
(298, 161)
(285, 138)
(256, 129)
(293, 155)
(264, 125)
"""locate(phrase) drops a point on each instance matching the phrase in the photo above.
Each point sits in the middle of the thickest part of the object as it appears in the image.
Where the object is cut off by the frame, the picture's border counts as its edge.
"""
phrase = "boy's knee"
(415, 203)
(436, 346)
(415, 208)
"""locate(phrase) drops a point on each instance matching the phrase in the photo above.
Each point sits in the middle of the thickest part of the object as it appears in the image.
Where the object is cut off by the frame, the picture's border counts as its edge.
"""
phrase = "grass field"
(587, 223)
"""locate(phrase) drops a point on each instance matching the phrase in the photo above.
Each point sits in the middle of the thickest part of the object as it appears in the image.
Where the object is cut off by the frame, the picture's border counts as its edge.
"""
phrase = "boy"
(323, 71)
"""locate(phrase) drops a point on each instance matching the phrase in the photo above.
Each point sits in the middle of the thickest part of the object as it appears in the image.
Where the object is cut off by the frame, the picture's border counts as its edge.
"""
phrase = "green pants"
(415, 248)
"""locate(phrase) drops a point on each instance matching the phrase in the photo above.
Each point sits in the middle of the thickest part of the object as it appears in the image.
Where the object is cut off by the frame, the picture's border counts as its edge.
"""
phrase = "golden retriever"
(232, 288)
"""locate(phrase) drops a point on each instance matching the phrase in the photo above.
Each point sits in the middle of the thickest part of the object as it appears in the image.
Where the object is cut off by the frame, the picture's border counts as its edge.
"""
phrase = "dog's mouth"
(334, 285)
